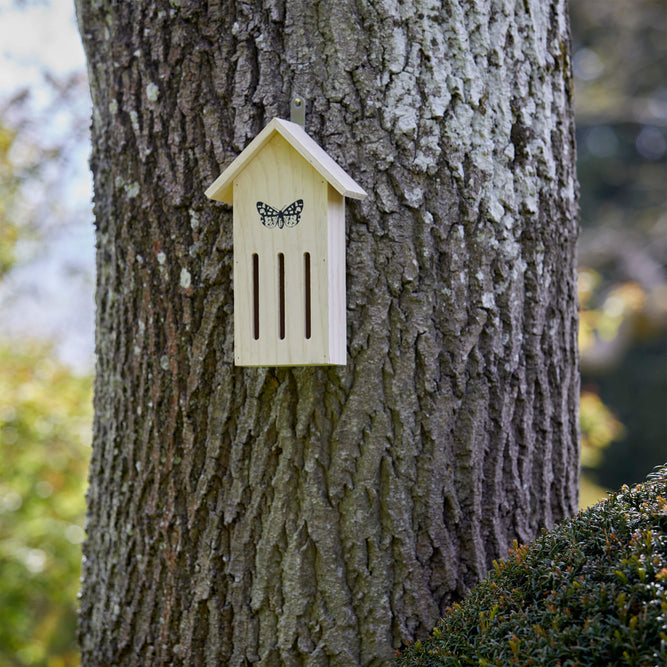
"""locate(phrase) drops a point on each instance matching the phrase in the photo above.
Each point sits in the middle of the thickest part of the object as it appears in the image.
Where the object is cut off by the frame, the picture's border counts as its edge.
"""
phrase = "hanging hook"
(298, 110)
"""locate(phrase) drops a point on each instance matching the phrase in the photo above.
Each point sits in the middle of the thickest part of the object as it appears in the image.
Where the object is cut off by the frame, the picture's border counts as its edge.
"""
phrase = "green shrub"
(591, 592)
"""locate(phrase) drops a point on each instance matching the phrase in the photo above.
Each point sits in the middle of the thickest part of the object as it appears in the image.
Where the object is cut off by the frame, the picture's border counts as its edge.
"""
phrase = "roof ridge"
(295, 135)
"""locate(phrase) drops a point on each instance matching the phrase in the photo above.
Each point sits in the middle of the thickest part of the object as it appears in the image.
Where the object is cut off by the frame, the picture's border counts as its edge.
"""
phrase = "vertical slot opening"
(255, 296)
(306, 267)
(281, 296)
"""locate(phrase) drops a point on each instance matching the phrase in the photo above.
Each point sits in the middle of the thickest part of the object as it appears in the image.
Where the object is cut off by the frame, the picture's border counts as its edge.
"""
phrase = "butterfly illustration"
(290, 215)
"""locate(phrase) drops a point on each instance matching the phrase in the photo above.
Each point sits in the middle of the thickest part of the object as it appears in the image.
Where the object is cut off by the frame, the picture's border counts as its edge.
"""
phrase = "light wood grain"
(336, 277)
(280, 166)
(278, 176)
(222, 188)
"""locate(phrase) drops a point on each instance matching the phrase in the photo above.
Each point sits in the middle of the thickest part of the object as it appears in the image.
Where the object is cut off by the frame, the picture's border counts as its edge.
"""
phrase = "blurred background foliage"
(45, 405)
(619, 63)
(28, 163)
(8, 231)
(45, 416)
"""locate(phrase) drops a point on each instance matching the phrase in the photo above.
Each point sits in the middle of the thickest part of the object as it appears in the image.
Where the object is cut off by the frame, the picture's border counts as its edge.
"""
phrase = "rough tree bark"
(324, 516)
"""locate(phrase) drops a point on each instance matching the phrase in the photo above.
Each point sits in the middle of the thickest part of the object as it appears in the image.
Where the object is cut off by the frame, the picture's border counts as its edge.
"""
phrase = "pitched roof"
(222, 188)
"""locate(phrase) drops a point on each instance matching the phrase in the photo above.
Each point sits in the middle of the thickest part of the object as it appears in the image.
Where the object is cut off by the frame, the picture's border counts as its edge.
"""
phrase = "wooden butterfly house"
(289, 249)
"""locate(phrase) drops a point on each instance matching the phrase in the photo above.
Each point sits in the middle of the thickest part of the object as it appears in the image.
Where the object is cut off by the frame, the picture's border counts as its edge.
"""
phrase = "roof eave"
(222, 189)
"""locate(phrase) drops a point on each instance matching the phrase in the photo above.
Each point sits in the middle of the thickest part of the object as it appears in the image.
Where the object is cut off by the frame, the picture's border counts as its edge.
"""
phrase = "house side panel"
(336, 278)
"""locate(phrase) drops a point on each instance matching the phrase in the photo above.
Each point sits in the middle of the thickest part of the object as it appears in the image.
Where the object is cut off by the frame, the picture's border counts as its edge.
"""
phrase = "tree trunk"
(325, 516)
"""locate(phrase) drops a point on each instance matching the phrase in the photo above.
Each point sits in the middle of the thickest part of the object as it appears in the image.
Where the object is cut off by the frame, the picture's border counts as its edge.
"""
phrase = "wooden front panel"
(278, 179)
